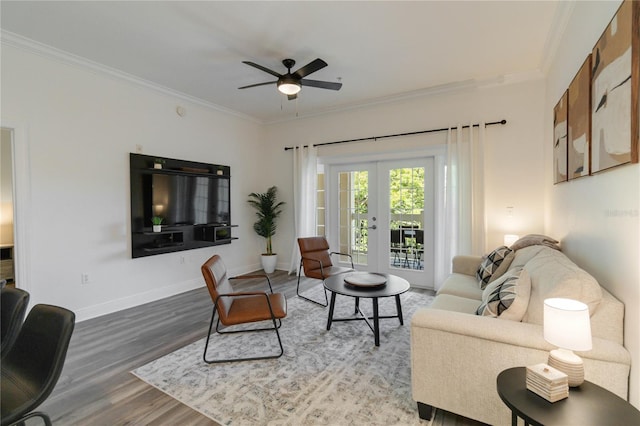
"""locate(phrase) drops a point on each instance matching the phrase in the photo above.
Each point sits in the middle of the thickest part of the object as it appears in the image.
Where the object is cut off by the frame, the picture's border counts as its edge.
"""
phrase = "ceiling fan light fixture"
(288, 85)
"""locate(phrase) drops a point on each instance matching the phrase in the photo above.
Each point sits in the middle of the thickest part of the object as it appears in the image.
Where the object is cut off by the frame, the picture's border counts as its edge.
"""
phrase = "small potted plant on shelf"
(158, 163)
(267, 209)
(157, 223)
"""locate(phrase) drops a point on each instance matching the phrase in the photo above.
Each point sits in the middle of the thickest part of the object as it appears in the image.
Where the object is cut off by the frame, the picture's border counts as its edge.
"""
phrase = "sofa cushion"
(507, 297)
(449, 302)
(490, 265)
(524, 255)
(461, 285)
(554, 275)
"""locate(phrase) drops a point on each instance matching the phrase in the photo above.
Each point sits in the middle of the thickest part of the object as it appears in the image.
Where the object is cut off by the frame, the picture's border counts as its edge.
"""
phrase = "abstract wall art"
(579, 123)
(560, 116)
(614, 91)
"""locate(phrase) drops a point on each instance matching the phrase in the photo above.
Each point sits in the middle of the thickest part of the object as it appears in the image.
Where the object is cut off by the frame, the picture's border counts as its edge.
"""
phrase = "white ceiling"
(378, 50)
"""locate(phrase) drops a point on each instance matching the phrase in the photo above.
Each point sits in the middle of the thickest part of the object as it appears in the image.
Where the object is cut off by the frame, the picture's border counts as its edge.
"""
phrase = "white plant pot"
(269, 262)
(157, 228)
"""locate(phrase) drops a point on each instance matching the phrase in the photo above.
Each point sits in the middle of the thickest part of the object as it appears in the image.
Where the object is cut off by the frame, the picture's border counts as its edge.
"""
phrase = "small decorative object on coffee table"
(365, 279)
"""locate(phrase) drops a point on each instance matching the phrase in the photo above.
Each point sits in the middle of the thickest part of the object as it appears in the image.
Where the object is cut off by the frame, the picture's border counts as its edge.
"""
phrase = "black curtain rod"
(375, 138)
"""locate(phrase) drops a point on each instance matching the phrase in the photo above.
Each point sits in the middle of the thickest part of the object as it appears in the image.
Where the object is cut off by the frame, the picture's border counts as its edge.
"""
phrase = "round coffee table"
(394, 286)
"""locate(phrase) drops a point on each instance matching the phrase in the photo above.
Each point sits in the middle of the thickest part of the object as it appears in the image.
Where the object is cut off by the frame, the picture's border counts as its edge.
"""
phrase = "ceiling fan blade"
(321, 84)
(292, 97)
(312, 66)
(260, 67)
(258, 84)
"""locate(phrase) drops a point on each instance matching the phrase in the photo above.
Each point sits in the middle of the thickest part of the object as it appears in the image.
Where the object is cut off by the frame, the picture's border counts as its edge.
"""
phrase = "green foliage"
(406, 192)
(267, 210)
(156, 220)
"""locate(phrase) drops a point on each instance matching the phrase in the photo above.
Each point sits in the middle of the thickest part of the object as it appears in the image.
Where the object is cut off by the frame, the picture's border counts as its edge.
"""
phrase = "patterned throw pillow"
(507, 297)
(490, 264)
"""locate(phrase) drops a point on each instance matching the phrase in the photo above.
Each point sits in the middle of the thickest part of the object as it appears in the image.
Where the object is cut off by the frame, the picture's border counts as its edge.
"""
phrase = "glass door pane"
(353, 211)
(406, 213)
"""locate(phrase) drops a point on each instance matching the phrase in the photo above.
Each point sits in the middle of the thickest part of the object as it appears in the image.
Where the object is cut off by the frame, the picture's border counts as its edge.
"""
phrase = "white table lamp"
(567, 325)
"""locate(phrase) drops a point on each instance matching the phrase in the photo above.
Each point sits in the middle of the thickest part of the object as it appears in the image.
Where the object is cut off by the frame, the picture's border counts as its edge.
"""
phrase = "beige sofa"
(456, 354)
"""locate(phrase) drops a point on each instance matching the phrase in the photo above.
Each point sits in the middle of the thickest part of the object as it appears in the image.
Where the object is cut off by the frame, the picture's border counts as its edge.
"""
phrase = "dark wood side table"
(588, 404)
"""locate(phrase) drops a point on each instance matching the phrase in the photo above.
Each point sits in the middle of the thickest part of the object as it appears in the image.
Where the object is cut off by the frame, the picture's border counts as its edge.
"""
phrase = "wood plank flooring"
(96, 387)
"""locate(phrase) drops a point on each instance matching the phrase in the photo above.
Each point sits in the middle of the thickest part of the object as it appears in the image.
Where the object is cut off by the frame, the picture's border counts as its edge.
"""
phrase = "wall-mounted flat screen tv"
(188, 200)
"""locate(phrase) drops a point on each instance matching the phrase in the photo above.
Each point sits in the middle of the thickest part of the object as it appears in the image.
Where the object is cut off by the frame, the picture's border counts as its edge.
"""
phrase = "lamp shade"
(567, 324)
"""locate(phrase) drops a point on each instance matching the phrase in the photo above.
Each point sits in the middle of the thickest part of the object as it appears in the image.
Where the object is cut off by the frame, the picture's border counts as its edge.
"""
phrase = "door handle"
(372, 227)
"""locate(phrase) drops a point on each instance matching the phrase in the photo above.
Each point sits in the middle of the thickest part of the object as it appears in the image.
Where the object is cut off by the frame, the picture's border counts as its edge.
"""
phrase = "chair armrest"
(343, 254)
(313, 260)
(246, 277)
(467, 265)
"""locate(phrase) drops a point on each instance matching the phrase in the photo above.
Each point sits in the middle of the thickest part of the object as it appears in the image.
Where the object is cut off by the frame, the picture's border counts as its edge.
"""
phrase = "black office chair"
(13, 307)
(31, 368)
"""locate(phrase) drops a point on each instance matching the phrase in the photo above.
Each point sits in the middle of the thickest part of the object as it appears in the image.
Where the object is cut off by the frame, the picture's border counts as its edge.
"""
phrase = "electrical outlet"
(138, 149)
(84, 278)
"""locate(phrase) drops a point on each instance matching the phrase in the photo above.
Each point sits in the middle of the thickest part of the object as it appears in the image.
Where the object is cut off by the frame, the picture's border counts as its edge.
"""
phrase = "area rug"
(335, 377)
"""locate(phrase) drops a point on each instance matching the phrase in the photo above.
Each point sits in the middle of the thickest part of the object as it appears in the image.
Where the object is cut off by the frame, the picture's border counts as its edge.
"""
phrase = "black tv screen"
(188, 199)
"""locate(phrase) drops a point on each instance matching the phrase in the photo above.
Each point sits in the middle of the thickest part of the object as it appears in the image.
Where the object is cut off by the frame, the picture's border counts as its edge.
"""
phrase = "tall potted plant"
(267, 209)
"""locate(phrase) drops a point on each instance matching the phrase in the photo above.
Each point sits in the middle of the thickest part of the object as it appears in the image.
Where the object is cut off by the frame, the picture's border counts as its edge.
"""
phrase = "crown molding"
(556, 32)
(17, 41)
(448, 88)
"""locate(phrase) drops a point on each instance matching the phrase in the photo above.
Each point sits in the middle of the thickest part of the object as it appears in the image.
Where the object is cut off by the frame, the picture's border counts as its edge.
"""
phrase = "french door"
(382, 214)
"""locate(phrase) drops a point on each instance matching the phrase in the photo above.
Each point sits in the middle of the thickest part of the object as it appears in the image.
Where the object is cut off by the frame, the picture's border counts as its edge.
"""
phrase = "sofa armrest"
(465, 264)
(456, 358)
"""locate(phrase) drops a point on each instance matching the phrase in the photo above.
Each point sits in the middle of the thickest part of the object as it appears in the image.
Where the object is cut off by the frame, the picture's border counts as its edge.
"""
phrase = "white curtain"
(305, 178)
(462, 223)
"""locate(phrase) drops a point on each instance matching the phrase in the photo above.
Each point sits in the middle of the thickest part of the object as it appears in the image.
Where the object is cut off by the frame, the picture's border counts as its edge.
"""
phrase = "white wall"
(514, 155)
(80, 127)
(597, 217)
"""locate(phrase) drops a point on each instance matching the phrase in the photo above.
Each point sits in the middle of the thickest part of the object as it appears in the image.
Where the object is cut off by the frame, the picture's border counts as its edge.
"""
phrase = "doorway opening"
(7, 242)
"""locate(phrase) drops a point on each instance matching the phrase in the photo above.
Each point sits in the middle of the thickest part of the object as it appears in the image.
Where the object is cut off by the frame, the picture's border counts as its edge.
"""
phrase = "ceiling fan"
(291, 83)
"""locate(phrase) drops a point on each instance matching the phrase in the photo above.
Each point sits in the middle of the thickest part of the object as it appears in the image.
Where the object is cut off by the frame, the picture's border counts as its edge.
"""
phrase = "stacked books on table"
(547, 382)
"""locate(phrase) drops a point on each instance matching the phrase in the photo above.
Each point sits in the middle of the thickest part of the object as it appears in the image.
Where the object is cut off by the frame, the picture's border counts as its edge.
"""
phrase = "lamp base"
(569, 363)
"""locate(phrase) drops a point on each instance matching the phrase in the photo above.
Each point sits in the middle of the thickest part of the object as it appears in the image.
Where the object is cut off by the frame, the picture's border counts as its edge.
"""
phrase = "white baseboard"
(155, 294)
(136, 299)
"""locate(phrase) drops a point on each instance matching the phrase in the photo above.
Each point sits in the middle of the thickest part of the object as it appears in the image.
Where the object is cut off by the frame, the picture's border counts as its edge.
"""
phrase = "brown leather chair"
(236, 308)
(316, 261)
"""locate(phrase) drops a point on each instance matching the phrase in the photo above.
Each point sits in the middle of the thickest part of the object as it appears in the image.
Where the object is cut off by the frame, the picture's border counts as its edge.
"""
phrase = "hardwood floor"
(96, 387)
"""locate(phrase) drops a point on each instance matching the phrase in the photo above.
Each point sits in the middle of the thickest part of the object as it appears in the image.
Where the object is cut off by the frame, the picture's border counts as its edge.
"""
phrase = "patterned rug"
(336, 377)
